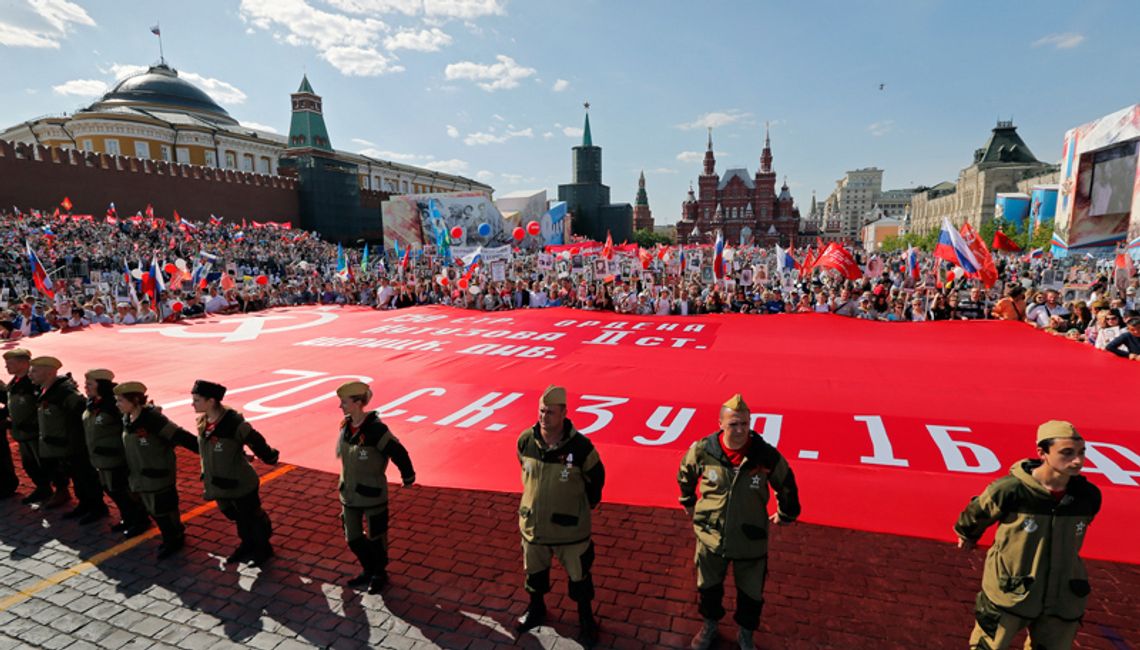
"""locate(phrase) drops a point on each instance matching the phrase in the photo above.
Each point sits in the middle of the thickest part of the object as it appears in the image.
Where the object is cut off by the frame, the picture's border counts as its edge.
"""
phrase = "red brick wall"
(33, 176)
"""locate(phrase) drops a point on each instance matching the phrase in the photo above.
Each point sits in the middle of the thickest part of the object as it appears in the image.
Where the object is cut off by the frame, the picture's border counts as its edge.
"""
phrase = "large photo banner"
(889, 427)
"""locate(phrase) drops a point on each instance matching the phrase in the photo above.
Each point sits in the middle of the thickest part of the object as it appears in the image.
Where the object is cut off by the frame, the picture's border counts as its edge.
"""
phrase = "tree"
(647, 238)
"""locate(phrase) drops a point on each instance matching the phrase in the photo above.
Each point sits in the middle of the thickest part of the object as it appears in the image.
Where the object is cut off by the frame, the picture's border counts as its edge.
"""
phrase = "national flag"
(1002, 242)
(952, 248)
(214, 220)
(912, 263)
(718, 256)
(646, 258)
(681, 257)
(202, 268)
(184, 225)
(471, 261)
(784, 259)
(838, 258)
(40, 275)
(48, 234)
(987, 271)
(343, 271)
(156, 31)
(1035, 254)
(112, 216)
(55, 215)
(608, 249)
(65, 204)
(406, 258)
(239, 236)
(149, 211)
(364, 260)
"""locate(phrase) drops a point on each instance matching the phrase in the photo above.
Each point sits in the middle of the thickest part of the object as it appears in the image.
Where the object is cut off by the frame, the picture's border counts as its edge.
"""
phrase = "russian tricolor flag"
(718, 256)
(912, 262)
(952, 248)
(40, 275)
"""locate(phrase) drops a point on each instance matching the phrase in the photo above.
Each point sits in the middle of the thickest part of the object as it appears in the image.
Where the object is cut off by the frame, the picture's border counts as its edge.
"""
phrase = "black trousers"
(253, 526)
(88, 491)
(42, 473)
(8, 479)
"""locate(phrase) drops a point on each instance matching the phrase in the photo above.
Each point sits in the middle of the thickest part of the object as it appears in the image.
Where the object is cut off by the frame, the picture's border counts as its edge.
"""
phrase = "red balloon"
(462, 283)
(170, 268)
(949, 277)
(177, 307)
(533, 228)
(518, 234)
(443, 281)
(457, 232)
(262, 280)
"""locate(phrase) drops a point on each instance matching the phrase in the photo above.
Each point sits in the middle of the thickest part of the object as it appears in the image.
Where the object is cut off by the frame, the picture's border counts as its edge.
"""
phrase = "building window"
(183, 154)
(87, 145)
(211, 158)
(263, 165)
(111, 146)
(247, 162)
(165, 150)
(142, 150)
(231, 160)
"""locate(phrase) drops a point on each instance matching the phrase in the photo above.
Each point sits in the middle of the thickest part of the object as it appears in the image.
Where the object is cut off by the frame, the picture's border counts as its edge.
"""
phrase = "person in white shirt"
(99, 315)
(537, 296)
(664, 303)
(385, 295)
(216, 302)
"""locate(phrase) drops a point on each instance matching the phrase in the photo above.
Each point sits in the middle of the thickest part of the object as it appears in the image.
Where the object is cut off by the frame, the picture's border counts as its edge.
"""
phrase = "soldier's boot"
(242, 553)
(173, 536)
(60, 497)
(535, 614)
(588, 628)
(38, 495)
(363, 551)
(379, 566)
(705, 637)
(262, 530)
(744, 638)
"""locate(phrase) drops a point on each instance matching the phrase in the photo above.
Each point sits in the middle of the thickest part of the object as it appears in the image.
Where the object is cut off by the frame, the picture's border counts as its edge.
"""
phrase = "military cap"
(1057, 429)
(130, 387)
(553, 396)
(99, 373)
(352, 389)
(18, 353)
(736, 403)
(208, 389)
(47, 362)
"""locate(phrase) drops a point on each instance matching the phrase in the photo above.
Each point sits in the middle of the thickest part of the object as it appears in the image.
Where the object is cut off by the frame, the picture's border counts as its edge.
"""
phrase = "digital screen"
(1114, 175)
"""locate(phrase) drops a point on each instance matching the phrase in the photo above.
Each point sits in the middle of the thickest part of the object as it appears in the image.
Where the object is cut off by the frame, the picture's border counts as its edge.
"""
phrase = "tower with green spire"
(588, 199)
(642, 216)
(307, 128)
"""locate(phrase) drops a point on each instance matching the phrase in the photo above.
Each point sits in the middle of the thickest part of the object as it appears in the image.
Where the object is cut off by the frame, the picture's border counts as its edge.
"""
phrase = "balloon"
(518, 234)
(136, 274)
(443, 281)
(263, 280)
(177, 307)
(533, 228)
(484, 230)
(180, 264)
(462, 283)
(170, 268)
(457, 232)
(949, 277)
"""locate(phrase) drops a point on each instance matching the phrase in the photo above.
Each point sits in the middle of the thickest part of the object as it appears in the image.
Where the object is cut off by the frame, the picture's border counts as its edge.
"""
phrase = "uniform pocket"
(369, 491)
(563, 519)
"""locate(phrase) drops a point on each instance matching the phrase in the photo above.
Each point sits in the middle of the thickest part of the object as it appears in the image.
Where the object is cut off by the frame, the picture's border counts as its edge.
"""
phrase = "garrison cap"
(352, 389)
(208, 389)
(130, 387)
(1057, 429)
(99, 373)
(736, 403)
(47, 362)
(18, 353)
(553, 396)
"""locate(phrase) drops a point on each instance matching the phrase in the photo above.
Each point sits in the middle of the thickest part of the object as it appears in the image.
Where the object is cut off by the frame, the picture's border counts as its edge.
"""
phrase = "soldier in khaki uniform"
(1034, 577)
(103, 428)
(23, 411)
(364, 447)
(228, 477)
(62, 438)
(149, 438)
(724, 480)
(562, 479)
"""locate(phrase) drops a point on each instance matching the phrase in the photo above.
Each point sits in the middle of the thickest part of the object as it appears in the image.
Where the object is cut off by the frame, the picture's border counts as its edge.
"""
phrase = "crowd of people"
(100, 269)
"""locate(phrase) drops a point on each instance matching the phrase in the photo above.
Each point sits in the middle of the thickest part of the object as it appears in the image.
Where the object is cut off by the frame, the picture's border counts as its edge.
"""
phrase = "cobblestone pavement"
(457, 582)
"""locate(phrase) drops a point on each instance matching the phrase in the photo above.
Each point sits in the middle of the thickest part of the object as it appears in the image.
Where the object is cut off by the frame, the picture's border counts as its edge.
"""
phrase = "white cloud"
(521, 133)
(1064, 41)
(81, 87)
(489, 137)
(547, 135)
(484, 176)
(503, 75)
(560, 85)
(717, 119)
(880, 128)
(452, 166)
(373, 152)
(452, 132)
(512, 179)
(259, 127)
(498, 117)
(124, 70)
(661, 170)
(362, 142)
(221, 91)
(406, 7)
(60, 16)
(427, 40)
(351, 45)
(573, 131)
(464, 9)
(697, 156)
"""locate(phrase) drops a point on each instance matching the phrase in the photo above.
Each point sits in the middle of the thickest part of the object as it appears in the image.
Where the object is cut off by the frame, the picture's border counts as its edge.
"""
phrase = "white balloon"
(180, 263)
(136, 274)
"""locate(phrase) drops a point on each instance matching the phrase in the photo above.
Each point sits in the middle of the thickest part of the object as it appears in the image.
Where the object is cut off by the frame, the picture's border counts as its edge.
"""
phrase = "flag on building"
(156, 31)
(40, 275)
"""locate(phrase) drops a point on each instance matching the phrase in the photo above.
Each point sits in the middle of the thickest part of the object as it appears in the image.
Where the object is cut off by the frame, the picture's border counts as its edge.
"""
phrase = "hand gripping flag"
(952, 248)
(40, 275)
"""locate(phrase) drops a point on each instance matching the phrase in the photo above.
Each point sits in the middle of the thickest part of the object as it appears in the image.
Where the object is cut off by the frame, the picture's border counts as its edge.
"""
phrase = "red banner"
(890, 427)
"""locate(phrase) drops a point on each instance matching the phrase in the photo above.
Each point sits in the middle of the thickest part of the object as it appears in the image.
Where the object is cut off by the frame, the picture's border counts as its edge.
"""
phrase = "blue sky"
(493, 89)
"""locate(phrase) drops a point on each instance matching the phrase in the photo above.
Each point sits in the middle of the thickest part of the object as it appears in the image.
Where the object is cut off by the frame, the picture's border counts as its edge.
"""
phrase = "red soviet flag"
(835, 256)
(1002, 242)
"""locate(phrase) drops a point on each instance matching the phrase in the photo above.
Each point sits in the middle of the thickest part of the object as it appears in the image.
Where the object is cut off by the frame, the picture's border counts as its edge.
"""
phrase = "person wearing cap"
(103, 430)
(1127, 343)
(25, 426)
(724, 480)
(562, 477)
(227, 475)
(149, 439)
(1034, 577)
(365, 446)
(63, 442)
